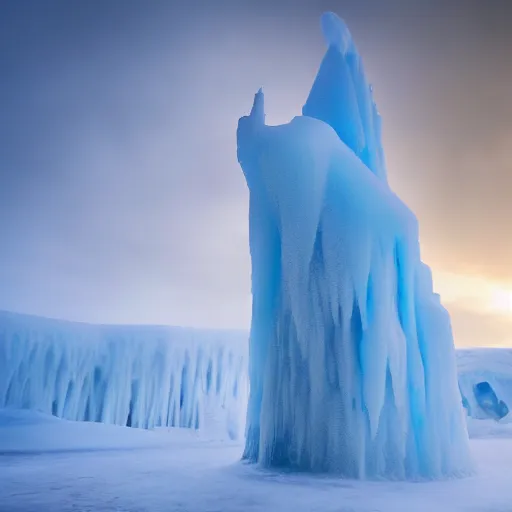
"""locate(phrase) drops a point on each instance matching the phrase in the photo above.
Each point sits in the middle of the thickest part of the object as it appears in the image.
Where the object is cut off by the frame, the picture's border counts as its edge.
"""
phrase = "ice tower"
(352, 363)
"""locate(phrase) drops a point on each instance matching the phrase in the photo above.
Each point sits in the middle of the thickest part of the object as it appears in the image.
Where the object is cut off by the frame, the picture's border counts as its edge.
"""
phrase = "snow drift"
(125, 375)
(352, 362)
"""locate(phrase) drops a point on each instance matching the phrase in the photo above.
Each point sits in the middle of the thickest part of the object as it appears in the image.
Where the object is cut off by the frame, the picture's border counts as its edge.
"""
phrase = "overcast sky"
(121, 199)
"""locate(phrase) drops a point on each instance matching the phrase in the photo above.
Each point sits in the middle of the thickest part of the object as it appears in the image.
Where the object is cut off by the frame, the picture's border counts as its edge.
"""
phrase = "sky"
(121, 199)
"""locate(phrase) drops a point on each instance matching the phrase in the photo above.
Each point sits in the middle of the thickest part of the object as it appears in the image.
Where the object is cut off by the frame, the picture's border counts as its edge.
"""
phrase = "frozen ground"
(52, 465)
(47, 464)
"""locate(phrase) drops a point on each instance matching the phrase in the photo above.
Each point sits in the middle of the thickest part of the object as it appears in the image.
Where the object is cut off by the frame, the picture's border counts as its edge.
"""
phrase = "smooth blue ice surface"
(352, 363)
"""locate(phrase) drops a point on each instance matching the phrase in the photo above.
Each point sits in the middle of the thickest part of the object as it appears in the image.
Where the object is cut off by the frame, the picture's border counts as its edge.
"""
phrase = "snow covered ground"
(48, 464)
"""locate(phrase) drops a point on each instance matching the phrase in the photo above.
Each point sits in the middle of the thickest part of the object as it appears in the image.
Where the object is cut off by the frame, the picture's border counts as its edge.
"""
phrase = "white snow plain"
(50, 464)
(53, 465)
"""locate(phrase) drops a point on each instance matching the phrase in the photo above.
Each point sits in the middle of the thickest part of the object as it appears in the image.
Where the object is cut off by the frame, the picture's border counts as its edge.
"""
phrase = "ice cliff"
(352, 364)
(138, 376)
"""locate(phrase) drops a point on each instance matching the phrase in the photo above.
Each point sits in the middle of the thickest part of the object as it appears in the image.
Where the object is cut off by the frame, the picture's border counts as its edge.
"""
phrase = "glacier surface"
(351, 361)
(137, 376)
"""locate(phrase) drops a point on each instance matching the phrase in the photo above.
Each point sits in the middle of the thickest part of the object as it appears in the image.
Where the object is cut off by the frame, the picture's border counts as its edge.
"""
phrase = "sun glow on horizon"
(480, 309)
(502, 300)
(473, 293)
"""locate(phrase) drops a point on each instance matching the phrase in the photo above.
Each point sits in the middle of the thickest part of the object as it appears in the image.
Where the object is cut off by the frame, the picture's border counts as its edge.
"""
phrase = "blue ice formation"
(138, 376)
(485, 382)
(489, 402)
(351, 362)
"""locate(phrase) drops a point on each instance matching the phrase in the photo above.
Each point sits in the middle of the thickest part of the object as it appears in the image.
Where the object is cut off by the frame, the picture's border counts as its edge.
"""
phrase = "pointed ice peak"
(258, 107)
(342, 97)
(336, 32)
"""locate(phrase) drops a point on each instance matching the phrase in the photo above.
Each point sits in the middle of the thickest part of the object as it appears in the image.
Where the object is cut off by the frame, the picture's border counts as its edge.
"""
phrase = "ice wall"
(125, 375)
(352, 364)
